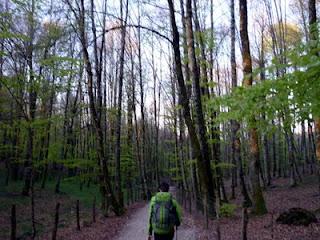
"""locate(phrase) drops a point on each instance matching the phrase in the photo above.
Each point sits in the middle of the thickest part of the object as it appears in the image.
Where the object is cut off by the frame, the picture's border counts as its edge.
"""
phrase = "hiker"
(164, 214)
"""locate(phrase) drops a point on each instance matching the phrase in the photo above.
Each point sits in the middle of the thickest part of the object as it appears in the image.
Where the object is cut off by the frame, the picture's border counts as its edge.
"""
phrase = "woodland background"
(102, 100)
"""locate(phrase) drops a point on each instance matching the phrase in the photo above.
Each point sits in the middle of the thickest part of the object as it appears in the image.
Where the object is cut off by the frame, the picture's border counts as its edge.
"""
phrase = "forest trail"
(136, 227)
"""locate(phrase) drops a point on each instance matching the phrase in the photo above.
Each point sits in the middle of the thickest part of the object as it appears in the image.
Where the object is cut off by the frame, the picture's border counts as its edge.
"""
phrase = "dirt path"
(136, 227)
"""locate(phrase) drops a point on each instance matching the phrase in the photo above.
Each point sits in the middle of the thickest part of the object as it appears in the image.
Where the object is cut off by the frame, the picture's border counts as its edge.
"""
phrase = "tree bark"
(13, 229)
(32, 103)
(143, 134)
(314, 37)
(259, 206)
(119, 108)
(245, 220)
(204, 168)
(56, 222)
(234, 124)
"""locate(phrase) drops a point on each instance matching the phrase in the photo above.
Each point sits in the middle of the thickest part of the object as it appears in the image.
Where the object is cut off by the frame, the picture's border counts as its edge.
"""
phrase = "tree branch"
(139, 26)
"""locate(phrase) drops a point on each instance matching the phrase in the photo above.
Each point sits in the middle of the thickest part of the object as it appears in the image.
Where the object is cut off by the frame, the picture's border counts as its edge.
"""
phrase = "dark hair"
(164, 187)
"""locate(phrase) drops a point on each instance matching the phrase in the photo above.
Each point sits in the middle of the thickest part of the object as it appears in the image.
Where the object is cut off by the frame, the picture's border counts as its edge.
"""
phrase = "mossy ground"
(45, 201)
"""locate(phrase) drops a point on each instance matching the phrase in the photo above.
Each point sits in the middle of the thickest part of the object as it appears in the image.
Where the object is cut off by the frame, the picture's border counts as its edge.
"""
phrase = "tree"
(32, 100)
(314, 39)
(259, 206)
(95, 106)
(203, 165)
(119, 109)
(235, 125)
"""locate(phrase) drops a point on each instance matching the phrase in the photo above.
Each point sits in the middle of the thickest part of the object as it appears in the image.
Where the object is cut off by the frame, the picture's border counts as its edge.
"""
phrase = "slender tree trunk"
(234, 124)
(265, 140)
(119, 108)
(259, 206)
(32, 104)
(13, 230)
(304, 150)
(143, 133)
(188, 88)
(46, 138)
(130, 102)
(304, 19)
(181, 153)
(293, 177)
(142, 175)
(274, 153)
(245, 220)
(33, 220)
(175, 130)
(209, 200)
(314, 37)
(203, 76)
(185, 49)
(317, 124)
(56, 222)
(156, 117)
(205, 174)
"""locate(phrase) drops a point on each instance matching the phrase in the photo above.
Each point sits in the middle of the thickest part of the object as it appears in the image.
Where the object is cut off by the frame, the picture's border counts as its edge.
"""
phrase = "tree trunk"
(130, 106)
(119, 108)
(274, 153)
(13, 229)
(259, 206)
(234, 124)
(143, 134)
(95, 116)
(304, 150)
(204, 170)
(265, 140)
(32, 104)
(56, 222)
(245, 220)
(314, 37)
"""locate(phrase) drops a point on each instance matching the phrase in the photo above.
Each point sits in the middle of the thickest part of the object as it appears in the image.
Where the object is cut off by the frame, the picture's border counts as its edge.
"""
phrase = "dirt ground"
(136, 228)
(279, 198)
(132, 226)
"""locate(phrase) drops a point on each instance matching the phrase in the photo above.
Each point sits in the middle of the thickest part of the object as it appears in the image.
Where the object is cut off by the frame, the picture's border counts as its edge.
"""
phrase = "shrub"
(227, 209)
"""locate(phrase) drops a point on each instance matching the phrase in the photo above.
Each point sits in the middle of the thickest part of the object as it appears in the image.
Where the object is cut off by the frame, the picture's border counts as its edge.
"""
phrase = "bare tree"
(119, 109)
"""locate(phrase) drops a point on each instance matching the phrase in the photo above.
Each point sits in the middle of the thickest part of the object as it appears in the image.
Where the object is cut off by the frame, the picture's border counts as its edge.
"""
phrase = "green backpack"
(163, 216)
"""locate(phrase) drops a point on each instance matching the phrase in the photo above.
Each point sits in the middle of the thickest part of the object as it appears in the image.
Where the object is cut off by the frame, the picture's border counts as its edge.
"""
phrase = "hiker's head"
(164, 187)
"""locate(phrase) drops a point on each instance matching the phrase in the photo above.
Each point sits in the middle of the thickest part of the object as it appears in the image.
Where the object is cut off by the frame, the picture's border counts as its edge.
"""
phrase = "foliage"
(227, 209)
(289, 32)
(294, 95)
(222, 165)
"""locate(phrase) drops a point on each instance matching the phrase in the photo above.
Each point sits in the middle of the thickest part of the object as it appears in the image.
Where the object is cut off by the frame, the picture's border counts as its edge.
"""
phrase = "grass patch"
(45, 200)
(227, 209)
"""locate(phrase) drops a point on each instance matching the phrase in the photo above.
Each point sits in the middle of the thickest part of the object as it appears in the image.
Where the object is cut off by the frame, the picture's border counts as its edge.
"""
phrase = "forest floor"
(132, 226)
(45, 202)
(279, 198)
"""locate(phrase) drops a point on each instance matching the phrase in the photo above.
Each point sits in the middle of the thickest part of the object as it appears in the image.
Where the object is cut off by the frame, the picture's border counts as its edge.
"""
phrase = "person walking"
(164, 214)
